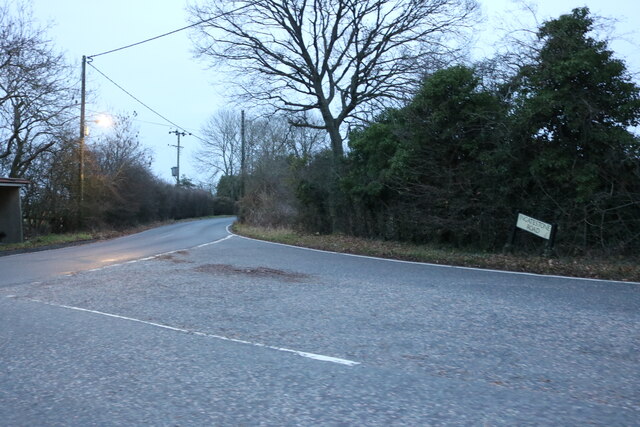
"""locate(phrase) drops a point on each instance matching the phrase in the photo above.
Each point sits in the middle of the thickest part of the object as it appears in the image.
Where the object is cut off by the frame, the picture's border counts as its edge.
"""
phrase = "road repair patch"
(260, 272)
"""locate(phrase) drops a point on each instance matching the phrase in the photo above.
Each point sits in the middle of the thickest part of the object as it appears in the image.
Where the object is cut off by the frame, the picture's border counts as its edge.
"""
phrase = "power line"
(151, 39)
(152, 123)
(167, 126)
(140, 101)
(170, 32)
(132, 96)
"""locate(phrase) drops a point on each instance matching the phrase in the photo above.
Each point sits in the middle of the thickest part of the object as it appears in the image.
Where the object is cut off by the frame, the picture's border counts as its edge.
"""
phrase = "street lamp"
(82, 135)
(101, 119)
(104, 120)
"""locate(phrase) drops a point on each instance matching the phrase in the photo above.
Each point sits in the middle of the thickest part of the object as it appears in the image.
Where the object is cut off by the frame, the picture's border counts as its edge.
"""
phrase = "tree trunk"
(336, 141)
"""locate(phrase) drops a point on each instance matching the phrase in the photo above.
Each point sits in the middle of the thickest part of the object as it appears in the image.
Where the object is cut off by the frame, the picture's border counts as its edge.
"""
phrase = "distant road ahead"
(35, 266)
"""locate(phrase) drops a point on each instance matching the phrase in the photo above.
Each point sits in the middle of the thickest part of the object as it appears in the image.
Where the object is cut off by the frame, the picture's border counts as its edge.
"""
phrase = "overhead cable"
(148, 40)
(170, 32)
(140, 101)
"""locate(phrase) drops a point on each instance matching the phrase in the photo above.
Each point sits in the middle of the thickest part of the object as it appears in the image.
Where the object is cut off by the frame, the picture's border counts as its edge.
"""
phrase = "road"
(26, 268)
(241, 332)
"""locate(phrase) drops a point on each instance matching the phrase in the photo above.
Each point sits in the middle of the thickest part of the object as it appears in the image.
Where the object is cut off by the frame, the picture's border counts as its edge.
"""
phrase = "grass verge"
(623, 269)
(48, 240)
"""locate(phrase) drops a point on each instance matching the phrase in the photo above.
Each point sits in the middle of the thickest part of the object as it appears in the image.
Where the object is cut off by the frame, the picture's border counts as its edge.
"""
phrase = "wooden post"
(508, 247)
(548, 251)
(83, 131)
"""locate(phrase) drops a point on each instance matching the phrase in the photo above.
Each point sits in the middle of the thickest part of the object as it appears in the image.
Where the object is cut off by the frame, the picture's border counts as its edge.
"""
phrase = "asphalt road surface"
(41, 265)
(223, 330)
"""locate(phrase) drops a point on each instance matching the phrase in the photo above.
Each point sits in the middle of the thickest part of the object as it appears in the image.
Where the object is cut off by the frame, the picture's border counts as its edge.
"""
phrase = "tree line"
(120, 189)
(553, 140)
(547, 130)
(369, 121)
(39, 142)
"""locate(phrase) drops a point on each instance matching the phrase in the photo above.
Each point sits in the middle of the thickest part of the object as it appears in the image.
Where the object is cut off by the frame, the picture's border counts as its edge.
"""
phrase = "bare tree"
(271, 137)
(279, 135)
(305, 141)
(35, 95)
(219, 152)
(120, 149)
(339, 57)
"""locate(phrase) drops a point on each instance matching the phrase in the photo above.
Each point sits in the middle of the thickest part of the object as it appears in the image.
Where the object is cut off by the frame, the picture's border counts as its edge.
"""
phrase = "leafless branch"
(338, 57)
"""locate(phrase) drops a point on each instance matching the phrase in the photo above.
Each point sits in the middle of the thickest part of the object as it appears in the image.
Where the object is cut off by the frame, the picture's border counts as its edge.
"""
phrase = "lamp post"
(104, 120)
(81, 141)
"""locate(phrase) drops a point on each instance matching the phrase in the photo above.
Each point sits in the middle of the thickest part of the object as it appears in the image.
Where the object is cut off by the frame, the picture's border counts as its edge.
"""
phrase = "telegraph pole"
(242, 153)
(83, 89)
(178, 147)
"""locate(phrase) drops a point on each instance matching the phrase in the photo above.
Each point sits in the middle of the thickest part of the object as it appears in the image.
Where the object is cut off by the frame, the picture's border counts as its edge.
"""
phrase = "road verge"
(618, 268)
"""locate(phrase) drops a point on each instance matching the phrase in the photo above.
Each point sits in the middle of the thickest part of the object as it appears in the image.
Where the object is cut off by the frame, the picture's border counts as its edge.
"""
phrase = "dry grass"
(623, 269)
(50, 240)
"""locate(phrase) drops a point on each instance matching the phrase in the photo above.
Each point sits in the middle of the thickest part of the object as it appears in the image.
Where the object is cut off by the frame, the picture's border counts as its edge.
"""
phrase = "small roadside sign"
(532, 225)
(535, 226)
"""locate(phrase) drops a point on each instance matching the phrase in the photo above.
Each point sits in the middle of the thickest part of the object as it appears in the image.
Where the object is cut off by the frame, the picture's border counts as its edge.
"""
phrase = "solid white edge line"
(399, 261)
(308, 355)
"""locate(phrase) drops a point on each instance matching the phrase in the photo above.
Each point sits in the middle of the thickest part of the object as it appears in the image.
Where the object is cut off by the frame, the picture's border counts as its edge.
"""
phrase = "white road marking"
(217, 241)
(313, 356)
(133, 261)
(399, 261)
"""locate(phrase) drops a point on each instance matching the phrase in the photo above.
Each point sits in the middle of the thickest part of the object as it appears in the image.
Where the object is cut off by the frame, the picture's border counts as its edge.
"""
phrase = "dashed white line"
(217, 241)
(133, 261)
(308, 355)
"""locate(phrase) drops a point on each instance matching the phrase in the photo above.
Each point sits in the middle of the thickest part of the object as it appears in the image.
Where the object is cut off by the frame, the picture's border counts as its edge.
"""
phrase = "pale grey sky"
(164, 74)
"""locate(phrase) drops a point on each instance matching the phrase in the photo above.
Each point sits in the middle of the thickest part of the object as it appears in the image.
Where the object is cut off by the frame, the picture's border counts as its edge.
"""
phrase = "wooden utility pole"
(178, 148)
(83, 131)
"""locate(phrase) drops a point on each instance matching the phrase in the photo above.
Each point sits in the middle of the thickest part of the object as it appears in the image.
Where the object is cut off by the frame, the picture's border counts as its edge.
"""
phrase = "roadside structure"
(11, 210)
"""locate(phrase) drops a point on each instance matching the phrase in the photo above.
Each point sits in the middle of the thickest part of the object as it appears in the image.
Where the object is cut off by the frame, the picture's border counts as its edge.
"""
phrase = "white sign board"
(534, 226)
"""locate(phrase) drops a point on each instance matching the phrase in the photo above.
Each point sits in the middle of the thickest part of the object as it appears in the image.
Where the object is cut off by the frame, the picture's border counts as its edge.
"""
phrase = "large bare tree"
(35, 93)
(339, 57)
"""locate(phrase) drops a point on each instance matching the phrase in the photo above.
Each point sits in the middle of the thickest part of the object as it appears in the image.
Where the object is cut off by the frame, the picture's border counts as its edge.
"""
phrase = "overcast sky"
(165, 75)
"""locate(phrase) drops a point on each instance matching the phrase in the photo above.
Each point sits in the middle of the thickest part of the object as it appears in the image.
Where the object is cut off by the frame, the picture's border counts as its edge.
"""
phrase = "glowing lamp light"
(104, 120)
